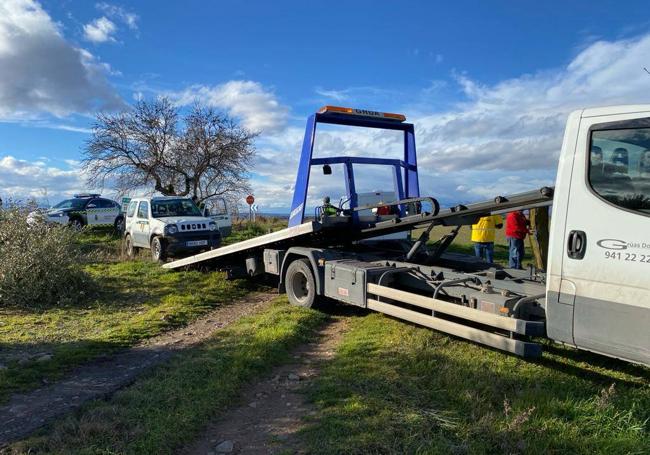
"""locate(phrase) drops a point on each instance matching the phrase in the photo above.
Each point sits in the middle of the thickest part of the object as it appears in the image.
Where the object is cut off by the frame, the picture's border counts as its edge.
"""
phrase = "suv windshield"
(174, 207)
(71, 204)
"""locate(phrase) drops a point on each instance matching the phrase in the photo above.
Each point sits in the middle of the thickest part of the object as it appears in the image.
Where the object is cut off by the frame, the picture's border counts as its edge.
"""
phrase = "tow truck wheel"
(158, 249)
(129, 248)
(300, 283)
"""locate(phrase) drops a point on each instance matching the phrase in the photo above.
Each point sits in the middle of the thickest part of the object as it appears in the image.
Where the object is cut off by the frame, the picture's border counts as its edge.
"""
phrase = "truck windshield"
(174, 207)
(77, 204)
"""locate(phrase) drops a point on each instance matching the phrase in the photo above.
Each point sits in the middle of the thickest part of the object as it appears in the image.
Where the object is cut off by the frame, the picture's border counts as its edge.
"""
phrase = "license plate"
(197, 243)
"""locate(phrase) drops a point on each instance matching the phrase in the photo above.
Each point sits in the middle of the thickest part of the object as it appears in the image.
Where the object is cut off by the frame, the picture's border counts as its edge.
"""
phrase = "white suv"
(169, 226)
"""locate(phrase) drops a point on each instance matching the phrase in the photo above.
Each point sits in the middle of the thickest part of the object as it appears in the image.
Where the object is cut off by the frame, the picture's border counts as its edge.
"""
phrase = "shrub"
(39, 263)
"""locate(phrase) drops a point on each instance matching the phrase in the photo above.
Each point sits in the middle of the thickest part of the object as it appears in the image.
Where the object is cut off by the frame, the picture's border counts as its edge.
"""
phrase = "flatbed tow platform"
(337, 231)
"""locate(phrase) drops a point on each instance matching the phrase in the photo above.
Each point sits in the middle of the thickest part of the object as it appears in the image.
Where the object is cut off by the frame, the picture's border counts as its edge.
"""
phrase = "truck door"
(607, 236)
(141, 228)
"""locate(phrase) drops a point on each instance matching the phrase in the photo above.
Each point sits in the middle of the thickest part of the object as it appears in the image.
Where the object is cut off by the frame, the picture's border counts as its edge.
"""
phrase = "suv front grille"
(188, 227)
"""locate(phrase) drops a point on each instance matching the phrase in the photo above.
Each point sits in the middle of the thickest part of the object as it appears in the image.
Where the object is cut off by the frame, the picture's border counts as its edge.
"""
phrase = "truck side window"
(143, 210)
(619, 167)
(131, 210)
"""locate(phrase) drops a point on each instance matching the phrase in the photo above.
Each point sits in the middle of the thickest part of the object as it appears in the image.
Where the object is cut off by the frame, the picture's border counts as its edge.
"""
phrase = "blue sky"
(488, 84)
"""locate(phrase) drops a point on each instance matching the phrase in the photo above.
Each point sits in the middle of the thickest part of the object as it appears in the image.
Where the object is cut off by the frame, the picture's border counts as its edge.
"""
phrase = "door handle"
(576, 244)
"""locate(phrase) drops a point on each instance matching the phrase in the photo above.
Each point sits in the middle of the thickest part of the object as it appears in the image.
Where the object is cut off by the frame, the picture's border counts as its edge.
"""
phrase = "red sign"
(250, 199)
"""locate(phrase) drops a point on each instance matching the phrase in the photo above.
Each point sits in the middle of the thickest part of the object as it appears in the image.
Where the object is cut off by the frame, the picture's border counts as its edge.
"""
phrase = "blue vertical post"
(351, 190)
(397, 183)
(411, 178)
(297, 213)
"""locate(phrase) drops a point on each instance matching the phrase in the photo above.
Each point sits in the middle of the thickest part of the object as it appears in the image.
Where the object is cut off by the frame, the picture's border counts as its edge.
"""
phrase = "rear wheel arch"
(302, 253)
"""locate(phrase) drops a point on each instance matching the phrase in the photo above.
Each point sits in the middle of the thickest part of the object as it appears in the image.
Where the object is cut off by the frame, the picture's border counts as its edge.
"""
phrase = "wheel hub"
(300, 286)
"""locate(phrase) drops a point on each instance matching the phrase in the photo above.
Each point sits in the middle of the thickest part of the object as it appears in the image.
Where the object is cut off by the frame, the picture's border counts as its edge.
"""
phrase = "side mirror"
(327, 169)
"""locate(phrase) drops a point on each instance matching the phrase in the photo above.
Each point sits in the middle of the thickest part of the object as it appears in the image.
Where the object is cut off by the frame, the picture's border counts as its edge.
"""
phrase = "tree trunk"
(539, 240)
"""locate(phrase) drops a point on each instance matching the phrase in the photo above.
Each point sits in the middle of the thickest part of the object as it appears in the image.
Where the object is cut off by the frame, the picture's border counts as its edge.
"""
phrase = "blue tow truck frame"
(407, 186)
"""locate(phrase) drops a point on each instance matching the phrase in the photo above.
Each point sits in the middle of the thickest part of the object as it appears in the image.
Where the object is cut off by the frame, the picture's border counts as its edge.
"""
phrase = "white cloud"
(119, 13)
(257, 107)
(23, 179)
(338, 95)
(40, 72)
(368, 97)
(100, 30)
(518, 123)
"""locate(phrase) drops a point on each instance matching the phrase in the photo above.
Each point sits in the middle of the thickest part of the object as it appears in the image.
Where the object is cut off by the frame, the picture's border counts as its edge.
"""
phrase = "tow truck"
(594, 293)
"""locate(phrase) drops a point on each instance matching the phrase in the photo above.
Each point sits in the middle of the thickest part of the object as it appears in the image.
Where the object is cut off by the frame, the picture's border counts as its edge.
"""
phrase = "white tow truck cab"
(595, 293)
(169, 226)
(598, 278)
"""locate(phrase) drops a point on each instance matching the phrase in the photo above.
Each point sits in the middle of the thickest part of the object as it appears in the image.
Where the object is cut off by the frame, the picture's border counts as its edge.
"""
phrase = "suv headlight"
(213, 226)
(171, 229)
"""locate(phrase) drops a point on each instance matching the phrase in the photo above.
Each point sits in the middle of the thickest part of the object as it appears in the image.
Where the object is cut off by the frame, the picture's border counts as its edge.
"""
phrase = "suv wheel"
(158, 249)
(76, 224)
(119, 224)
(130, 250)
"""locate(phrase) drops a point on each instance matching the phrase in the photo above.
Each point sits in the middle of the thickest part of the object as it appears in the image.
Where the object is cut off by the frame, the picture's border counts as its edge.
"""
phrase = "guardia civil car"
(83, 210)
(168, 226)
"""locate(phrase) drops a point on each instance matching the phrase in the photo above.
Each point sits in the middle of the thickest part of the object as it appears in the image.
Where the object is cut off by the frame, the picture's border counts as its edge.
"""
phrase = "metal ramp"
(276, 239)
(331, 234)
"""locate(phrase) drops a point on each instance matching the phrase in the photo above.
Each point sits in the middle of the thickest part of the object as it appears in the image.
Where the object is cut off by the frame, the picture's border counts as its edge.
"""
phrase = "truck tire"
(129, 249)
(158, 249)
(300, 283)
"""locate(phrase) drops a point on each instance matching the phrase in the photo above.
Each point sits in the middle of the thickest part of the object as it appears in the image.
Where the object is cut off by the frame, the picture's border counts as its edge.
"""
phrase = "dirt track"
(25, 413)
(273, 409)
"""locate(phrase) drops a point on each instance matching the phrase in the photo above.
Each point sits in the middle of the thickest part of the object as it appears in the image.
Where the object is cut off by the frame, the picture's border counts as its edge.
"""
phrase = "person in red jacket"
(516, 230)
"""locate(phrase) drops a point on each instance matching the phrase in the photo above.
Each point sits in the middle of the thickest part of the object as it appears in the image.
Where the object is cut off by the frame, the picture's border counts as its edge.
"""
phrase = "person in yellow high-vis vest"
(483, 234)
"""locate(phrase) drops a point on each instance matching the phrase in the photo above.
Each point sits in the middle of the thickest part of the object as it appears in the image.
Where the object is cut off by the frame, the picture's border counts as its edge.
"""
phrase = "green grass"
(397, 388)
(125, 303)
(171, 406)
(244, 230)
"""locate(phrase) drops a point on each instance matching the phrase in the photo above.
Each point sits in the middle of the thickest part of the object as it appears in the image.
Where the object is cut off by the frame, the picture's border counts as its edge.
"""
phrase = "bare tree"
(202, 154)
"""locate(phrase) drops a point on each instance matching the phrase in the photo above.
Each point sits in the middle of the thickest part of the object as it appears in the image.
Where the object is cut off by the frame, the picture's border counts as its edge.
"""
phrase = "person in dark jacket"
(516, 230)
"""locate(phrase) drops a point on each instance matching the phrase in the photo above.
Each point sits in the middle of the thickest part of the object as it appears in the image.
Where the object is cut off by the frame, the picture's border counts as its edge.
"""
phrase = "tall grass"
(39, 263)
